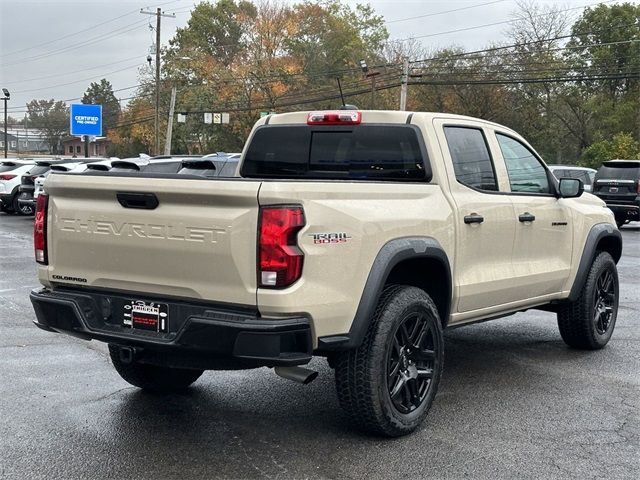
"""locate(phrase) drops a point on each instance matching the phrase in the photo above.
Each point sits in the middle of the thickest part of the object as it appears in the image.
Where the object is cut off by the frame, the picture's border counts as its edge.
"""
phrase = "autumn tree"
(245, 58)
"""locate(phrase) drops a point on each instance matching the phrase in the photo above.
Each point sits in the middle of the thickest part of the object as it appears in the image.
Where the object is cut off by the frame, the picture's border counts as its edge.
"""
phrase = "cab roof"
(372, 116)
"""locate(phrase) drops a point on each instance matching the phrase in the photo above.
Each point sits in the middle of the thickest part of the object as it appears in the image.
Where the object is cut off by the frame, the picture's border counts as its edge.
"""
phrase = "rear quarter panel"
(369, 215)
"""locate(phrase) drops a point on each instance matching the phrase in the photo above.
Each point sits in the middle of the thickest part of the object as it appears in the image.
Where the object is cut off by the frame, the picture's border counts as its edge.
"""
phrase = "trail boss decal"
(322, 238)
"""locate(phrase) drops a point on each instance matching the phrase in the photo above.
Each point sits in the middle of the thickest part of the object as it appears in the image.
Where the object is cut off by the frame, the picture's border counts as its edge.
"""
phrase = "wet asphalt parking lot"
(514, 402)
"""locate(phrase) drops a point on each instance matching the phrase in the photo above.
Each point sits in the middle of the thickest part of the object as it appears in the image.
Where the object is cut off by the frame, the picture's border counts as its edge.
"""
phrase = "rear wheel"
(152, 377)
(588, 322)
(21, 209)
(388, 383)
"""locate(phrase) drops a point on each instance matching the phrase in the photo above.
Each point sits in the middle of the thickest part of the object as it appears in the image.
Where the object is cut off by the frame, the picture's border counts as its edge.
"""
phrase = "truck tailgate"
(199, 242)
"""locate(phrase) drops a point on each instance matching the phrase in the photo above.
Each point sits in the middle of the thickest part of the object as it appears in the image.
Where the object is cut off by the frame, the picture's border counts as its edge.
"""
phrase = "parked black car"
(26, 203)
(618, 184)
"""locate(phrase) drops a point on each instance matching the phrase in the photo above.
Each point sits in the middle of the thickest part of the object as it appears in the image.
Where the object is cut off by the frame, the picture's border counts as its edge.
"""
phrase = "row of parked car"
(617, 182)
(22, 180)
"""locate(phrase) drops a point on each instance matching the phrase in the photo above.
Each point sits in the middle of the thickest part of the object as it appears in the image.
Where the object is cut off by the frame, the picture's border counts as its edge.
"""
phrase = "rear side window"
(472, 162)
(561, 173)
(582, 175)
(229, 169)
(526, 173)
(164, 167)
(202, 168)
(5, 167)
(363, 152)
(39, 169)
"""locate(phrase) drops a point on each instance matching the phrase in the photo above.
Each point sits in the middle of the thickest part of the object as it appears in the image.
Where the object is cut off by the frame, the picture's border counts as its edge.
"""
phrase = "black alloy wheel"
(588, 321)
(411, 362)
(388, 383)
(604, 301)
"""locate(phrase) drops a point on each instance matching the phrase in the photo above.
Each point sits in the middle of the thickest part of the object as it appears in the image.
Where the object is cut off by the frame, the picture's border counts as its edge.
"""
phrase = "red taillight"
(338, 117)
(280, 259)
(40, 229)
(7, 177)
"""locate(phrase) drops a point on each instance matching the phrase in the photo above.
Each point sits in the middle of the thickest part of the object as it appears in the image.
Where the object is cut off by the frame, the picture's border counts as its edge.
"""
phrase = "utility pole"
(404, 84)
(159, 14)
(6, 99)
(167, 143)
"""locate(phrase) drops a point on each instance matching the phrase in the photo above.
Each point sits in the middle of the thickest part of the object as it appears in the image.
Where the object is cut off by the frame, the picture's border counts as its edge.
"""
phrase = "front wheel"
(588, 322)
(152, 377)
(388, 383)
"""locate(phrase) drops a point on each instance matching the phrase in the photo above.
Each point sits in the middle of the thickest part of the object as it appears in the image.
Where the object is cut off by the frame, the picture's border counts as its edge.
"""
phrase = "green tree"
(606, 42)
(622, 146)
(52, 118)
(101, 93)
(215, 30)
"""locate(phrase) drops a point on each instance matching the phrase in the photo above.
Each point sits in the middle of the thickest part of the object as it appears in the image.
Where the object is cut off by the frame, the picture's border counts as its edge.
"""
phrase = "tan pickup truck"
(354, 235)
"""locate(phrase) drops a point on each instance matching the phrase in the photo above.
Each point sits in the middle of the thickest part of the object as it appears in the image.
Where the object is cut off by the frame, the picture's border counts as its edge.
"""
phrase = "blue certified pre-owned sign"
(86, 119)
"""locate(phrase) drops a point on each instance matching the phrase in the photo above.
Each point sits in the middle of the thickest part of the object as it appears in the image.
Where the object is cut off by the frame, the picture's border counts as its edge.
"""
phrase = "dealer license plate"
(150, 316)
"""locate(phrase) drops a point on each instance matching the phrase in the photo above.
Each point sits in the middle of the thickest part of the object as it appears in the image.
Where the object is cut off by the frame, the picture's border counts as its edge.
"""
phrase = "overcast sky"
(55, 49)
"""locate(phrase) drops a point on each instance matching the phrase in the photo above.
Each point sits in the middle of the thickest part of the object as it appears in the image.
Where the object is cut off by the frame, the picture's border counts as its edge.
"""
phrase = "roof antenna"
(344, 105)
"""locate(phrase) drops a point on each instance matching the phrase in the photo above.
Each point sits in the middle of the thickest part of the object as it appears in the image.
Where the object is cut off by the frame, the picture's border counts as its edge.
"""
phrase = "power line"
(493, 24)
(78, 32)
(64, 74)
(114, 33)
(566, 79)
(77, 81)
(445, 12)
(525, 44)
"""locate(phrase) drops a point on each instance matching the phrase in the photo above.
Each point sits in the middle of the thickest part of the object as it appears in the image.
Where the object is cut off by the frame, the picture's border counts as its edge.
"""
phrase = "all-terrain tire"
(363, 376)
(581, 321)
(152, 377)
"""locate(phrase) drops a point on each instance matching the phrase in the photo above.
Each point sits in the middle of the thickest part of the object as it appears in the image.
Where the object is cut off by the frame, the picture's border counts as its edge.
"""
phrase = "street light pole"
(6, 99)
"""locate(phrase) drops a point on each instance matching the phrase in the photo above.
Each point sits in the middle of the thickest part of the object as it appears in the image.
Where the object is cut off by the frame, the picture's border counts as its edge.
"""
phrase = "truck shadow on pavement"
(505, 376)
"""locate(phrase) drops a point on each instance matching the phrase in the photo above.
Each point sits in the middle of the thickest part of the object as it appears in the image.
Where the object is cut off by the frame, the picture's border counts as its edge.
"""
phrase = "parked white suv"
(585, 174)
(11, 172)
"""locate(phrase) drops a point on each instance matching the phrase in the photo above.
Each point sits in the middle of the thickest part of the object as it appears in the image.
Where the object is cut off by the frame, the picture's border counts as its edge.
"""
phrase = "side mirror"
(571, 187)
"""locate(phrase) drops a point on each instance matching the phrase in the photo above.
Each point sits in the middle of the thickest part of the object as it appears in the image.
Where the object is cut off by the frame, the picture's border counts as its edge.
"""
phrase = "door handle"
(526, 217)
(473, 218)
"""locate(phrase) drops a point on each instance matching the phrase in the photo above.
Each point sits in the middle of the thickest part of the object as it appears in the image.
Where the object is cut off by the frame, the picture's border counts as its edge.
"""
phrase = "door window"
(472, 162)
(526, 173)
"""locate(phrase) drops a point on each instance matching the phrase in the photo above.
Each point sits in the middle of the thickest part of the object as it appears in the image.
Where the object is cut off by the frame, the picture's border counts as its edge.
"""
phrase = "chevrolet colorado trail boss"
(354, 235)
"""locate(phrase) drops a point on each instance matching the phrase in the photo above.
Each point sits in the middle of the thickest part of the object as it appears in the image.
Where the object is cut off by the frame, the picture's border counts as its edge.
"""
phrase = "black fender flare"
(390, 255)
(597, 233)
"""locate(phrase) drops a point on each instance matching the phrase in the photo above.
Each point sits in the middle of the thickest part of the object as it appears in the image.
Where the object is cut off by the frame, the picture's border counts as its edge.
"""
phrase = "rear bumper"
(26, 200)
(199, 336)
(626, 210)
